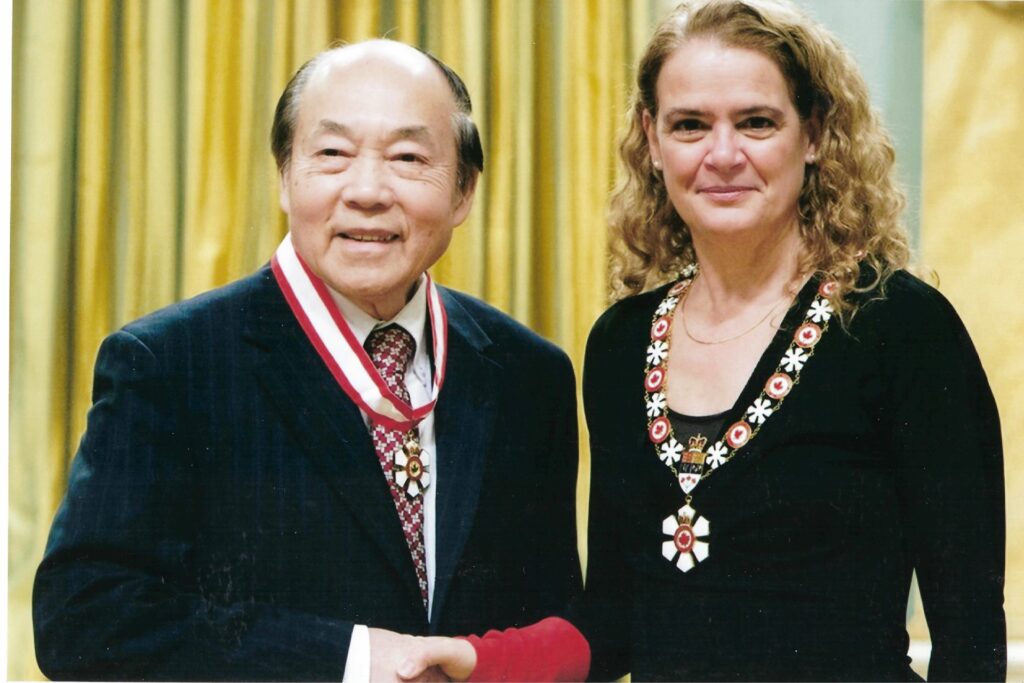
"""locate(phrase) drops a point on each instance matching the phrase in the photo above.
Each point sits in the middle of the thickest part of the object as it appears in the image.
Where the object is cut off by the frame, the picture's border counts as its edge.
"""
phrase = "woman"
(815, 423)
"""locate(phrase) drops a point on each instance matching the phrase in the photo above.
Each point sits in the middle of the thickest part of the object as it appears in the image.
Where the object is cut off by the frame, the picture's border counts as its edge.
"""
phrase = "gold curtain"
(142, 175)
(972, 222)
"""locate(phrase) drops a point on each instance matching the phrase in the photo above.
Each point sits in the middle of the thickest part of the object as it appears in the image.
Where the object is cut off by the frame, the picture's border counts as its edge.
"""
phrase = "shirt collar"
(412, 317)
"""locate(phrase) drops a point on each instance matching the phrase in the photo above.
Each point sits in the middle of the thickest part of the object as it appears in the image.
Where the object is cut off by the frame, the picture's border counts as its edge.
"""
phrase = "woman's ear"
(651, 131)
(812, 129)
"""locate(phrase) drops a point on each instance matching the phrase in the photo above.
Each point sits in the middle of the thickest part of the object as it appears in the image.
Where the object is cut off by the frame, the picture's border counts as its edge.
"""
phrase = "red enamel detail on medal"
(659, 330)
(684, 538)
(827, 289)
(655, 378)
(688, 481)
(807, 335)
(738, 435)
(778, 385)
(659, 430)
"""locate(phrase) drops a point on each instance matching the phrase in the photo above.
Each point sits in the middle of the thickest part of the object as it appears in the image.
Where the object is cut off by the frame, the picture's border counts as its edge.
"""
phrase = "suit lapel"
(464, 420)
(325, 422)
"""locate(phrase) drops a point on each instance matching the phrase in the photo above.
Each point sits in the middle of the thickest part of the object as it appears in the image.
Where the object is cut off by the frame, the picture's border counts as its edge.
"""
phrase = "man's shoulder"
(223, 308)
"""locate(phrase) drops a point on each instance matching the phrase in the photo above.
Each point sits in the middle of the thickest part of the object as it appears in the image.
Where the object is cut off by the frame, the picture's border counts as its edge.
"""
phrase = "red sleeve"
(550, 650)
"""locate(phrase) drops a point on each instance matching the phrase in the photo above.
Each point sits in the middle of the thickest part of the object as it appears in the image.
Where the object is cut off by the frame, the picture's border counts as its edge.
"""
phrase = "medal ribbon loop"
(336, 344)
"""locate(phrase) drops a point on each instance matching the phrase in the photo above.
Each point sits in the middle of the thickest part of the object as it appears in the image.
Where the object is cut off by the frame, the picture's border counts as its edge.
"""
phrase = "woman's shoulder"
(628, 314)
(908, 312)
(617, 341)
(903, 299)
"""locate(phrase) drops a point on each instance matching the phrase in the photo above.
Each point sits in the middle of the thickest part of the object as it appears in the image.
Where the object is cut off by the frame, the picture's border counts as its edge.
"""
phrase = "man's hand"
(456, 658)
(388, 650)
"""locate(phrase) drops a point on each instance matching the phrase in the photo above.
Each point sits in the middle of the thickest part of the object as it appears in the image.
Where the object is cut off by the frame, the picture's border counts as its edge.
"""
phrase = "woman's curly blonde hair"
(850, 206)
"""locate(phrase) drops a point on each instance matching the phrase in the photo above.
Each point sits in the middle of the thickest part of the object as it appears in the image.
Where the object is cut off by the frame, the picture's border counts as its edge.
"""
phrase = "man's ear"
(283, 198)
(465, 200)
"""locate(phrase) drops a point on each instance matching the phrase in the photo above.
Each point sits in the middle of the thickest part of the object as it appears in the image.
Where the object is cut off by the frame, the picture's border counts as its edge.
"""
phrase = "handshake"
(551, 649)
(398, 657)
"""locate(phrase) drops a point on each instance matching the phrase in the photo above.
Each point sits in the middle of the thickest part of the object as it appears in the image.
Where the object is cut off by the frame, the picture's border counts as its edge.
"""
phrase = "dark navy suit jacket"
(227, 518)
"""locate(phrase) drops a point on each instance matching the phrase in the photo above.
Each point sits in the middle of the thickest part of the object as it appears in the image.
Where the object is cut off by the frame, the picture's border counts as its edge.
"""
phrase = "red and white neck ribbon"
(342, 353)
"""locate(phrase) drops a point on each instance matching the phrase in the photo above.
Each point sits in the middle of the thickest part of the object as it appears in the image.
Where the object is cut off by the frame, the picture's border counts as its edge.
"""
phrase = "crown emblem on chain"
(695, 450)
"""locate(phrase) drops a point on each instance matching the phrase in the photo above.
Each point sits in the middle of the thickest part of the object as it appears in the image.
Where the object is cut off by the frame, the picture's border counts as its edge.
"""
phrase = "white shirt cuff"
(357, 663)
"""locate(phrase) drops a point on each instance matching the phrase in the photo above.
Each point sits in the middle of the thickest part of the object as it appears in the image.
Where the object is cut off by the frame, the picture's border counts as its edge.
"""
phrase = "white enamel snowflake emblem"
(667, 305)
(656, 352)
(760, 411)
(656, 404)
(670, 451)
(794, 360)
(821, 310)
(685, 547)
(716, 455)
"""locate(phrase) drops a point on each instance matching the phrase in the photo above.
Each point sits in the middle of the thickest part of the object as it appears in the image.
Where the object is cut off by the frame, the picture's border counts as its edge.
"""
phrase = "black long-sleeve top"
(884, 459)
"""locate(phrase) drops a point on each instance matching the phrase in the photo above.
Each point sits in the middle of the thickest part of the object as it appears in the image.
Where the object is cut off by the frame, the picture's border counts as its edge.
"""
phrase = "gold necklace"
(709, 342)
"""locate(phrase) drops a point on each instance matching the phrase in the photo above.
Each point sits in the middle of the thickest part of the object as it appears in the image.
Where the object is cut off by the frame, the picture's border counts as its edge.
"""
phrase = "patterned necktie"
(391, 348)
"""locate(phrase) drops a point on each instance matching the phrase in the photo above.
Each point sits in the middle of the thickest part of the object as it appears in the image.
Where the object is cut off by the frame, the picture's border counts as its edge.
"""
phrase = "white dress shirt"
(420, 383)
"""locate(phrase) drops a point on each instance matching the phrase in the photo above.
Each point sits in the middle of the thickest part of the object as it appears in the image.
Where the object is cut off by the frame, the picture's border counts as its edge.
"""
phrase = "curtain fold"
(44, 124)
(149, 159)
(451, 32)
(142, 175)
(972, 222)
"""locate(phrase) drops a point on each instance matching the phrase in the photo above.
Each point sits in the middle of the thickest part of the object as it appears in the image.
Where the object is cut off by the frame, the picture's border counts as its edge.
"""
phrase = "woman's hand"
(455, 657)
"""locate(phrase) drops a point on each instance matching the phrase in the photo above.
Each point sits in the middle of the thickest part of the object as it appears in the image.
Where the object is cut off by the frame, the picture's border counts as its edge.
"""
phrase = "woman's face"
(728, 140)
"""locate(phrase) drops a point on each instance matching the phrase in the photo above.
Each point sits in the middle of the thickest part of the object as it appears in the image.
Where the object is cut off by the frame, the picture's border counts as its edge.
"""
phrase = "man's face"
(370, 190)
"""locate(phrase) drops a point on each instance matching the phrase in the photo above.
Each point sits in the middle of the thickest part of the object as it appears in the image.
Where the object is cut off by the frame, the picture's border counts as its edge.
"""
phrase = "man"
(257, 496)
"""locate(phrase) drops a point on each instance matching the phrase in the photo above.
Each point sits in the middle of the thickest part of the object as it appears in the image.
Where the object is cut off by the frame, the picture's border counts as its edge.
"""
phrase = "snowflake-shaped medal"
(685, 547)
(760, 411)
(820, 311)
(717, 455)
(411, 468)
